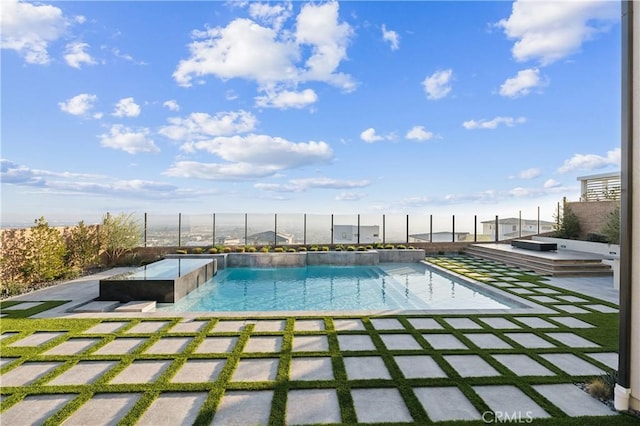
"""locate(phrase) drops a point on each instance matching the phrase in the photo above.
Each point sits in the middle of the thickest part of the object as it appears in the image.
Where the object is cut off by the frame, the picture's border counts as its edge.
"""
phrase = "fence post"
(497, 228)
(275, 229)
(304, 230)
(145, 229)
(453, 228)
(519, 223)
(179, 229)
(538, 220)
(214, 229)
(431, 228)
(331, 229)
(384, 229)
(475, 228)
(358, 239)
(407, 229)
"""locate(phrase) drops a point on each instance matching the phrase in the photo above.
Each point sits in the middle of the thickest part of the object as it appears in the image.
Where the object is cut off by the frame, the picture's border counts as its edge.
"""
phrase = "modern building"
(514, 227)
(348, 234)
(438, 237)
(270, 237)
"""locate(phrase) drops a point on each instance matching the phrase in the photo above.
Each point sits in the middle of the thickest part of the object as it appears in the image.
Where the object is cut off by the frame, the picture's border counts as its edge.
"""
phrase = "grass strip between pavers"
(604, 333)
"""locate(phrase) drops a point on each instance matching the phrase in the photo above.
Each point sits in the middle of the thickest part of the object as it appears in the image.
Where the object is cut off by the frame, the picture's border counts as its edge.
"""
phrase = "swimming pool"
(388, 286)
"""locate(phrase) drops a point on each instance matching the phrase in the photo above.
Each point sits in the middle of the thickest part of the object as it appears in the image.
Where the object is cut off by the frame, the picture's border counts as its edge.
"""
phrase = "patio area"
(407, 367)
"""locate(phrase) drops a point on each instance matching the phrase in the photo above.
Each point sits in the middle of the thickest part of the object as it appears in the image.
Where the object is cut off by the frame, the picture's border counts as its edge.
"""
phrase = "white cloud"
(418, 133)
(494, 123)
(370, 136)
(529, 173)
(79, 105)
(522, 83)
(171, 105)
(549, 31)
(438, 84)
(551, 183)
(200, 125)
(250, 157)
(349, 196)
(29, 28)
(591, 161)
(128, 140)
(270, 55)
(93, 185)
(76, 55)
(126, 107)
(274, 16)
(299, 185)
(287, 99)
(391, 37)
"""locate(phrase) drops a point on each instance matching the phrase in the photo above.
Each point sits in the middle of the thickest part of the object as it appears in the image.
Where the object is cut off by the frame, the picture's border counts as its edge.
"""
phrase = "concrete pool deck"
(309, 368)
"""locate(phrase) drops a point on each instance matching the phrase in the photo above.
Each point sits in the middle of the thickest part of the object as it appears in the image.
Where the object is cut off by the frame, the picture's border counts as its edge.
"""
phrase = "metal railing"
(223, 229)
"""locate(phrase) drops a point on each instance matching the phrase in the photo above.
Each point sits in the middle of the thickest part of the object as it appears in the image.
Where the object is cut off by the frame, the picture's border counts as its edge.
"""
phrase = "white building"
(510, 228)
(348, 234)
(269, 237)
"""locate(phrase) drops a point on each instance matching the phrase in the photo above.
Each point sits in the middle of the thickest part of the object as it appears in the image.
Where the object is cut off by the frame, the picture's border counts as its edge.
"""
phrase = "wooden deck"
(553, 263)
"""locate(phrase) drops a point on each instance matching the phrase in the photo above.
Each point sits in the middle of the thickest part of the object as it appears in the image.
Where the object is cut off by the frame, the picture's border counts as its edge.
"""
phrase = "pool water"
(334, 288)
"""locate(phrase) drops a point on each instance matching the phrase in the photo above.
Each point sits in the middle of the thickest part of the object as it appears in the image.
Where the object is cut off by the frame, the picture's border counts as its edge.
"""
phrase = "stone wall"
(593, 215)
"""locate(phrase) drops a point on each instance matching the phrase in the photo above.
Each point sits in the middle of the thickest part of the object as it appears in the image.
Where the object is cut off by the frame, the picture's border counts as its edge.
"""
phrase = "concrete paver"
(72, 347)
(471, 366)
(269, 325)
(535, 322)
(106, 327)
(309, 325)
(146, 327)
(572, 322)
(174, 408)
(84, 372)
(425, 323)
(387, 324)
(120, 346)
(505, 399)
(572, 309)
(365, 368)
(103, 409)
(400, 342)
(27, 373)
(544, 299)
(499, 323)
(572, 299)
(188, 327)
(141, 372)
(310, 344)
(35, 409)
(311, 368)
(199, 370)
(256, 370)
(573, 400)
(573, 340)
(572, 365)
(610, 359)
(355, 342)
(446, 403)
(228, 326)
(523, 365)
(313, 406)
(348, 324)
(530, 340)
(22, 306)
(487, 341)
(216, 345)
(462, 323)
(444, 341)
(264, 344)
(244, 408)
(419, 366)
(602, 308)
(380, 405)
(37, 339)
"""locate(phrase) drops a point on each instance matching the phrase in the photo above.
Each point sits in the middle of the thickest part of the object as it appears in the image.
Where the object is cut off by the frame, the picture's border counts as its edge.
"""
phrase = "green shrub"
(197, 250)
(368, 247)
(569, 226)
(389, 247)
(227, 250)
(401, 247)
(362, 248)
(119, 235)
(325, 248)
(212, 250)
(302, 249)
(240, 249)
(181, 251)
(83, 248)
(291, 250)
(351, 248)
(265, 249)
(44, 254)
(611, 229)
(278, 249)
(314, 248)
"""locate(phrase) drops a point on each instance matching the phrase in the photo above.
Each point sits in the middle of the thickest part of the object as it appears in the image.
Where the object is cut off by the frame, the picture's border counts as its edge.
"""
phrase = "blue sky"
(292, 107)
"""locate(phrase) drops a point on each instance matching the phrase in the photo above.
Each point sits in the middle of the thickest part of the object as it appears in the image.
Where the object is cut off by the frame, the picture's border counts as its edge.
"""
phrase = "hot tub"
(165, 281)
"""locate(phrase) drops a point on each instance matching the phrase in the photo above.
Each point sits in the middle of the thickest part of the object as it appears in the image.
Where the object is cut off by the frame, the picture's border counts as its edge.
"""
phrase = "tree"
(119, 235)
(569, 225)
(44, 253)
(83, 245)
(611, 228)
